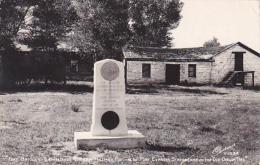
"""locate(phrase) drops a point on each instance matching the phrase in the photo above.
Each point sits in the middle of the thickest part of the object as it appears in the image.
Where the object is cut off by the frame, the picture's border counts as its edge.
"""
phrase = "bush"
(20, 68)
(75, 108)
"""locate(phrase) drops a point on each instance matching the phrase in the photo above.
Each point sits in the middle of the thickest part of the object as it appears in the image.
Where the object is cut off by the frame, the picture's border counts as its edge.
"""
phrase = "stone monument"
(109, 126)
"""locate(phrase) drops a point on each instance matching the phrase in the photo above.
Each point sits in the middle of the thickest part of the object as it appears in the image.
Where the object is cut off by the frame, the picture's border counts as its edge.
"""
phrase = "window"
(192, 70)
(74, 66)
(146, 70)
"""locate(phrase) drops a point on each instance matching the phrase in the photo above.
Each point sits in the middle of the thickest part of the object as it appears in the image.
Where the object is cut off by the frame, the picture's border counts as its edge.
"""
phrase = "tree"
(105, 26)
(151, 21)
(212, 43)
(51, 20)
(12, 19)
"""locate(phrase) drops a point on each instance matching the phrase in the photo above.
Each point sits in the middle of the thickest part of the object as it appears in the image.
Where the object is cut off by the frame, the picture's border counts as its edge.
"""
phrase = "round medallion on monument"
(110, 71)
(110, 120)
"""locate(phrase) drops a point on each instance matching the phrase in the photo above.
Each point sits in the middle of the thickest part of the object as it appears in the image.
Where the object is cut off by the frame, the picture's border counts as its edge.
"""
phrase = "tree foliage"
(212, 43)
(100, 27)
(107, 25)
(12, 19)
(103, 26)
(151, 21)
(51, 20)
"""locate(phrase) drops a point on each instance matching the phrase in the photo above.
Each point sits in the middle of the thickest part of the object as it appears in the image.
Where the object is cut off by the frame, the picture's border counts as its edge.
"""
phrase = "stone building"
(234, 64)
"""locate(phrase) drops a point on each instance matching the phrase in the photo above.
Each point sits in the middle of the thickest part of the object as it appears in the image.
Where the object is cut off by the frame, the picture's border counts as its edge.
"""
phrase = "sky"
(228, 20)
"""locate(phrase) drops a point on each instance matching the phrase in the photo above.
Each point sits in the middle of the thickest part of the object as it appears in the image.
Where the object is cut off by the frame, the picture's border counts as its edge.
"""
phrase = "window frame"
(146, 72)
(192, 73)
(74, 66)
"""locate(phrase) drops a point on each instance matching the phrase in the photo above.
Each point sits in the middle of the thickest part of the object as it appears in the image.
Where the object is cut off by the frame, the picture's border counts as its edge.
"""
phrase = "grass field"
(199, 123)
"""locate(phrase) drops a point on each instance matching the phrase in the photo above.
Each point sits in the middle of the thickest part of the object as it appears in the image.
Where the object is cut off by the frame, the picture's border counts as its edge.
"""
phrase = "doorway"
(172, 74)
(239, 60)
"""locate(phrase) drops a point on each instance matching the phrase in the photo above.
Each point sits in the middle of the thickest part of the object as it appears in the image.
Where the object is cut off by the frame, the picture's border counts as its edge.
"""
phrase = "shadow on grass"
(213, 130)
(255, 88)
(196, 91)
(157, 147)
(153, 89)
(71, 88)
(150, 147)
(141, 89)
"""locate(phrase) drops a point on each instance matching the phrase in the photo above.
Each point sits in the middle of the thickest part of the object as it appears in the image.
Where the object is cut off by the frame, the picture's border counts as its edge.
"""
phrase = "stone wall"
(134, 72)
(248, 80)
(225, 63)
(207, 72)
(252, 63)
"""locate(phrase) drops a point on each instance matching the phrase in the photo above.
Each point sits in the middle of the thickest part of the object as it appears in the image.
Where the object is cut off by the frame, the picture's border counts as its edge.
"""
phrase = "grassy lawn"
(178, 122)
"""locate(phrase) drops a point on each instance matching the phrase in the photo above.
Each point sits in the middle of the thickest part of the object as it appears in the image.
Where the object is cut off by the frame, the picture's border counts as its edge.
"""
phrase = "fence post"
(1, 71)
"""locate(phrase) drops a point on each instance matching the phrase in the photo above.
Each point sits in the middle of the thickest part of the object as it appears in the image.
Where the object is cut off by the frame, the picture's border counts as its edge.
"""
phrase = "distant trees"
(45, 22)
(105, 26)
(151, 21)
(51, 20)
(212, 43)
(100, 27)
(12, 19)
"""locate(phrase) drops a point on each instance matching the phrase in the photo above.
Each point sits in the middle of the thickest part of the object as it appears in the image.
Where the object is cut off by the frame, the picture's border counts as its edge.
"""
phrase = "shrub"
(75, 108)
(21, 67)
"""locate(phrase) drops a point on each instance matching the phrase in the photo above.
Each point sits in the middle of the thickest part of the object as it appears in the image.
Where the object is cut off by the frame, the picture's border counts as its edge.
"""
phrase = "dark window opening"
(146, 70)
(74, 66)
(192, 70)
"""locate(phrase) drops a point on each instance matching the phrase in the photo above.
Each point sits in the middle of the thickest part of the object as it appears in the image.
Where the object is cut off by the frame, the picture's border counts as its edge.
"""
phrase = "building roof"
(192, 54)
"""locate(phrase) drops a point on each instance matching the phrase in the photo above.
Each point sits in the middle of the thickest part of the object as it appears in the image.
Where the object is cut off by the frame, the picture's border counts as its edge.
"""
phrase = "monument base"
(85, 141)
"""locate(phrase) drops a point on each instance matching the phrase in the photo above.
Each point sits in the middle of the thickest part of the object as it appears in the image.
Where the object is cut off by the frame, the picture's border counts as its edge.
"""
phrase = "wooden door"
(172, 74)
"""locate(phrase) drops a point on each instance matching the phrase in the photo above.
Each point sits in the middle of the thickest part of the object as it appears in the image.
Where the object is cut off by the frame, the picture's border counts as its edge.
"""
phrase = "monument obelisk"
(109, 126)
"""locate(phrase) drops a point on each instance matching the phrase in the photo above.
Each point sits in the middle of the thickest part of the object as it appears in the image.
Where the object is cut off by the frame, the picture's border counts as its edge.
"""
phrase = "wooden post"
(243, 81)
(125, 73)
(253, 78)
